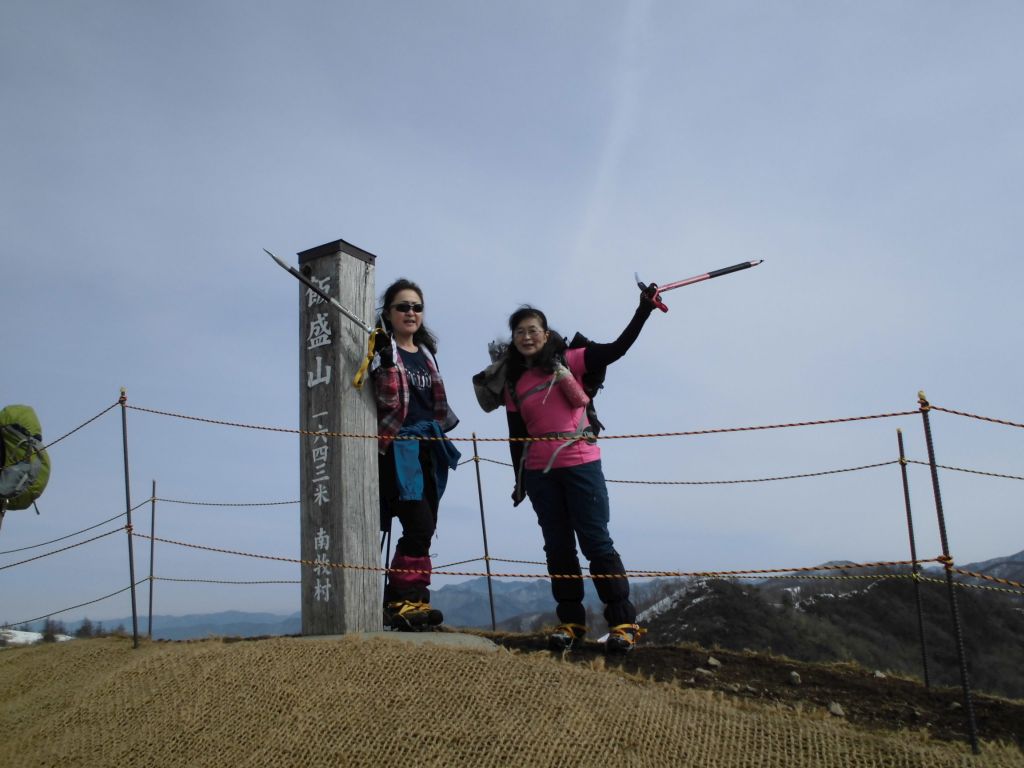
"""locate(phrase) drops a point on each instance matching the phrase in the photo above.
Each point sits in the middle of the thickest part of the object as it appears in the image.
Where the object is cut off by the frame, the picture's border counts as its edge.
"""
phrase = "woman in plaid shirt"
(411, 403)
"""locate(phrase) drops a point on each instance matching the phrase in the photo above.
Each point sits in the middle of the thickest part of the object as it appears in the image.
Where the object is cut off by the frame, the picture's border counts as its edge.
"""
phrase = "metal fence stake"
(915, 566)
(128, 506)
(152, 550)
(965, 682)
(483, 528)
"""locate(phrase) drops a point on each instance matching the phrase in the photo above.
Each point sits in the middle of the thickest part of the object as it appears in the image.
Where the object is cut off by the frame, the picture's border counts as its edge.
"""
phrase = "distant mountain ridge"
(199, 625)
(229, 623)
(805, 619)
(873, 621)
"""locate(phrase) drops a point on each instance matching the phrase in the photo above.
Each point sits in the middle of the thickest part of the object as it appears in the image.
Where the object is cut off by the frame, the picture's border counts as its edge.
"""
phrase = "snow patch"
(17, 637)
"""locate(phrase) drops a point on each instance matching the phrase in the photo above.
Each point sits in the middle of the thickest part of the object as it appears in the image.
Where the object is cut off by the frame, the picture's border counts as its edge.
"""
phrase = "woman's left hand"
(647, 296)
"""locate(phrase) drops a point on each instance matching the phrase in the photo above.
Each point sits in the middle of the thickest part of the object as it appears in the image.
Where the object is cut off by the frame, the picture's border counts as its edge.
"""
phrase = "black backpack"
(593, 382)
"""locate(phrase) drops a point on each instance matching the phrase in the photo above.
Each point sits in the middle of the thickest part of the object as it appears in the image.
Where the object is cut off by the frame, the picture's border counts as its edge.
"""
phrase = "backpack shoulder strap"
(517, 398)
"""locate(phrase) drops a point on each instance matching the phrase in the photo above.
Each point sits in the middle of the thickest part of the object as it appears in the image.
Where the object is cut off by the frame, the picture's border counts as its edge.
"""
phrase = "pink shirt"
(549, 411)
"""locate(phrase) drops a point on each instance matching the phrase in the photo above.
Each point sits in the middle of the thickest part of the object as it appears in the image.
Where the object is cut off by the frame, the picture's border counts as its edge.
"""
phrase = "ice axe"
(373, 332)
(660, 289)
(320, 292)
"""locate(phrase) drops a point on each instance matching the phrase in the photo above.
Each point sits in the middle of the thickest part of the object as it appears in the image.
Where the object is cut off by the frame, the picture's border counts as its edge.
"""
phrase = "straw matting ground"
(351, 701)
(869, 699)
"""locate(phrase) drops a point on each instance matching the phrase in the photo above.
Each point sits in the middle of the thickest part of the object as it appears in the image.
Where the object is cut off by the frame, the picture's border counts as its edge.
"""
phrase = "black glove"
(647, 295)
(384, 350)
(518, 494)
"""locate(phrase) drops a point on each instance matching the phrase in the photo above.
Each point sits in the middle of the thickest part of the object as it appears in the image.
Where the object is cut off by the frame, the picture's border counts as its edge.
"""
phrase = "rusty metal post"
(916, 568)
(965, 683)
(152, 551)
(123, 400)
(483, 527)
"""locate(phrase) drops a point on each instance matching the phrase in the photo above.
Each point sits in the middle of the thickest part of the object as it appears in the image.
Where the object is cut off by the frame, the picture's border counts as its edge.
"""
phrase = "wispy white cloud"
(626, 75)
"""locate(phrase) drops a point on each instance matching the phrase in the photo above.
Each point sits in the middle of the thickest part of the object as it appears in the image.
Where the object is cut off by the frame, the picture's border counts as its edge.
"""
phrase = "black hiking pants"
(572, 505)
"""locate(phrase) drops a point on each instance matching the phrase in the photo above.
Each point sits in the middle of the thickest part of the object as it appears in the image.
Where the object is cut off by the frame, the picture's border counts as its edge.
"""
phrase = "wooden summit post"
(338, 475)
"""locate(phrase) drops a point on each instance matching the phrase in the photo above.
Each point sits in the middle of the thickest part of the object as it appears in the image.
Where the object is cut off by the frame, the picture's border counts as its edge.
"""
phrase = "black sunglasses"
(405, 306)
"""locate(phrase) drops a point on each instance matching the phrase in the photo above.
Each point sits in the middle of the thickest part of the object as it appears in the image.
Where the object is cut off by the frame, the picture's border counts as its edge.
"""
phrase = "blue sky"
(502, 154)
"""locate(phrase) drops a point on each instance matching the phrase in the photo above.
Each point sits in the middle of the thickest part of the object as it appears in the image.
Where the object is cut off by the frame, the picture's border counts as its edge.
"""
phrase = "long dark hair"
(424, 336)
(546, 358)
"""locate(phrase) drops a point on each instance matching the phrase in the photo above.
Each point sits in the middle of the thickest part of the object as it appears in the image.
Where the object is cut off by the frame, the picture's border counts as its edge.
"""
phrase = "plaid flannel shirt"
(391, 390)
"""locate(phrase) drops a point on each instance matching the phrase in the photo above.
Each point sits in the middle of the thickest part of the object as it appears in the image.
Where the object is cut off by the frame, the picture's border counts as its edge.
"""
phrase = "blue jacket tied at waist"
(407, 459)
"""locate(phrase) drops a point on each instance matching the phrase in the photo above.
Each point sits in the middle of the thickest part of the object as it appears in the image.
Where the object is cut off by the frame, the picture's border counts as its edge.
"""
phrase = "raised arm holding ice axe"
(656, 290)
(543, 383)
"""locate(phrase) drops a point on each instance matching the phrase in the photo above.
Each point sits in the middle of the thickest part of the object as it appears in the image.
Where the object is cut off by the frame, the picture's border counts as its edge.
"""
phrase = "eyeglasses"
(405, 306)
(532, 332)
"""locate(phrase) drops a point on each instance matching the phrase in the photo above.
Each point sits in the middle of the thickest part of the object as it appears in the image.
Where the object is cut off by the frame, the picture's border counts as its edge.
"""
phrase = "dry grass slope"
(292, 702)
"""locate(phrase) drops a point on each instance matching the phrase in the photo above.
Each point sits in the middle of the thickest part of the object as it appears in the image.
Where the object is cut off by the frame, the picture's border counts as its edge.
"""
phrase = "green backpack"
(24, 464)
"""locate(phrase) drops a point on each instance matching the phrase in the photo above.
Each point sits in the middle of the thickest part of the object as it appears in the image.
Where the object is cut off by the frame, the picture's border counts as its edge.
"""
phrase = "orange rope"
(63, 549)
(975, 416)
(381, 569)
(81, 426)
(982, 576)
(357, 435)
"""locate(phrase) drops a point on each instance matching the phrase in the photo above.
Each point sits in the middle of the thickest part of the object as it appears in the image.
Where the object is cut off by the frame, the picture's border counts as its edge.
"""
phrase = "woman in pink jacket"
(545, 397)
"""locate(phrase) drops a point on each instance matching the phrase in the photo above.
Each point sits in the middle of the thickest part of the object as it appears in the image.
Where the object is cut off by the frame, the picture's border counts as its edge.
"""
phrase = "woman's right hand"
(384, 350)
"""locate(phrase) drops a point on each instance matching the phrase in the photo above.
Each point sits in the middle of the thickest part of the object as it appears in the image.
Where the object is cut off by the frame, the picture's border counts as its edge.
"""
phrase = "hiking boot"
(622, 638)
(433, 617)
(405, 616)
(566, 637)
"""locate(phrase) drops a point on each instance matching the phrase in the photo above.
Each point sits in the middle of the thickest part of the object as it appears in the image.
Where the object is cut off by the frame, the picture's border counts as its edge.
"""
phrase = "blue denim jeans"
(572, 505)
